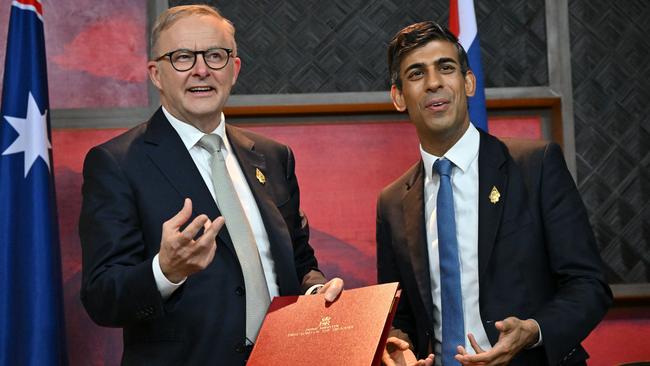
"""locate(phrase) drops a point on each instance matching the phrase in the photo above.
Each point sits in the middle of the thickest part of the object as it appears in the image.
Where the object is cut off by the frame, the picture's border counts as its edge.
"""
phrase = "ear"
(470, 83)
(398, 98)
(154, 74)
(236, 67)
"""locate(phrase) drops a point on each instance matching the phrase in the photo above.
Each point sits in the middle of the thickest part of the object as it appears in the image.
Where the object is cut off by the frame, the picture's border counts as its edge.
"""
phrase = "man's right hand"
(180, 254)
(398, 353)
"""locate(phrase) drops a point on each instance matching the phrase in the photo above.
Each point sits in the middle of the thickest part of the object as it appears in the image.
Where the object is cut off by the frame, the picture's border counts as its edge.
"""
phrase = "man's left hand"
(332, 289)
(514, 335)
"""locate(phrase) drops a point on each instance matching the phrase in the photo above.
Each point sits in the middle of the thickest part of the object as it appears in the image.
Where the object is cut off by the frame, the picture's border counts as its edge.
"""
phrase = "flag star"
(32, 135)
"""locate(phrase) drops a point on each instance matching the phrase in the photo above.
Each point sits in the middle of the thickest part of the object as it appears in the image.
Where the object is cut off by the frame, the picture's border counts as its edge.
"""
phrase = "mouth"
(436, 105)
(200, 89)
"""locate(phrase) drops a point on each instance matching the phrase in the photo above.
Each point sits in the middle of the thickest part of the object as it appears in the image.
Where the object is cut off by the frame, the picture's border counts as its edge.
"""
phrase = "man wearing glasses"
(157, 258)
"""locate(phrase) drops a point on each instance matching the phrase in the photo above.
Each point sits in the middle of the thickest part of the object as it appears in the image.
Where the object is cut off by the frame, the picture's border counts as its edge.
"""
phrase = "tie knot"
(211, 142)
(443, 166)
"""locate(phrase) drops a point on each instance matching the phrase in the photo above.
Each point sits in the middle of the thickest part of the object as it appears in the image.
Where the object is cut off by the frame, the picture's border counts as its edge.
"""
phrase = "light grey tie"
(239, 229)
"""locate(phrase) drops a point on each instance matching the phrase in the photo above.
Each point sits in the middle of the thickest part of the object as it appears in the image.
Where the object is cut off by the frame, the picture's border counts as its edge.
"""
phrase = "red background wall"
(341, 168)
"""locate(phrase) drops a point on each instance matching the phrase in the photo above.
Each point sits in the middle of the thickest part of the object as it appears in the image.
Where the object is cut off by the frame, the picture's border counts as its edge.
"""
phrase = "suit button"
(239, 348)
(240, 291)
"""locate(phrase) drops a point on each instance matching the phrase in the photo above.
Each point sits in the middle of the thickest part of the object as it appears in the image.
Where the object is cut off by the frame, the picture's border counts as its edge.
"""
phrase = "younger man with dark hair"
(489, 240)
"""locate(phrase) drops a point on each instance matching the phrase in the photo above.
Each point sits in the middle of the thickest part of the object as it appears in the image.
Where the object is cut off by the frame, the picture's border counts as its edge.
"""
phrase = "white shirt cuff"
(165, 286)
(311, 290)
(540, 340)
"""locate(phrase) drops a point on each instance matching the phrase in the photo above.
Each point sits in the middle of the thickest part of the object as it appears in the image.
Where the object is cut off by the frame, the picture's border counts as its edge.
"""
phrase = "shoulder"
(129, 144)
(537, 162)
(526, 154)
(259, 139)
(119, 146)
(123, 141)
(404, 183)
(524, 151)
(249, 140)
(536, 157)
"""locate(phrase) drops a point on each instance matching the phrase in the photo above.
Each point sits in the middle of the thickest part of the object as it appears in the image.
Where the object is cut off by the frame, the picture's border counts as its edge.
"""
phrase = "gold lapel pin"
(260, 176)
(494, 195)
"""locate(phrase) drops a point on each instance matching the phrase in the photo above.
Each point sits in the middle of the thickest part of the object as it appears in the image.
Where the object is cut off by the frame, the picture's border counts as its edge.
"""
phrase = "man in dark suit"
(157, 260)
(519, 278)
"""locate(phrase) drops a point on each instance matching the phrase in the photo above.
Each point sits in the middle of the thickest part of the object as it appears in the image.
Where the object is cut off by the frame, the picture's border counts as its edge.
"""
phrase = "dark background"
(298, 46)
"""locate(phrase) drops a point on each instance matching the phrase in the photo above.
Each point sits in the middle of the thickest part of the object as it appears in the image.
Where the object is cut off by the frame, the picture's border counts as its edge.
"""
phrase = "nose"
(200, 68)
(434, 80)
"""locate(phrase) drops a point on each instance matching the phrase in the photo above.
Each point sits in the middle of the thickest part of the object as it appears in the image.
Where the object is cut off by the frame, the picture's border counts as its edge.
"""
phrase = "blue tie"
(453, 327)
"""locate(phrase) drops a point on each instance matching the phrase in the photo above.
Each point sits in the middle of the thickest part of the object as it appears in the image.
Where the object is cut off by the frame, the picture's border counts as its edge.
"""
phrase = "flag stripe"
(32, 5)
(462, 22)
(453, 17)
(468, 31)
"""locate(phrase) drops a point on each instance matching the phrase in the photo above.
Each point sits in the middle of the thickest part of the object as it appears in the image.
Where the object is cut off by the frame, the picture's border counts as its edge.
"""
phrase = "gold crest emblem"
(325, 321)
(260, 176)
(494, 195)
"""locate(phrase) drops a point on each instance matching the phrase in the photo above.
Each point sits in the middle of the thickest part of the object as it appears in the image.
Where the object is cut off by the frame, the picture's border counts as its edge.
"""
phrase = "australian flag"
(31, 306)
(462, 22)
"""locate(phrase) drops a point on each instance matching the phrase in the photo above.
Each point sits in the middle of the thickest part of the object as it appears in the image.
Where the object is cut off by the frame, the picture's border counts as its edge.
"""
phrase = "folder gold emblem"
(260, 176)
(494, 195)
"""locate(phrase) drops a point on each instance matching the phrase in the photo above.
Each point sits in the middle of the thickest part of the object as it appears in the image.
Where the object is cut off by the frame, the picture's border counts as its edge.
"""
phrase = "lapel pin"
(494, 195)
(260, 176)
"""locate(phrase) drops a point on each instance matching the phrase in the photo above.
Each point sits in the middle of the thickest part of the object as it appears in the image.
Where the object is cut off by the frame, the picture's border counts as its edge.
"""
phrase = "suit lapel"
(280, 241)
(167, 151)
(413, 209)
(492, 174)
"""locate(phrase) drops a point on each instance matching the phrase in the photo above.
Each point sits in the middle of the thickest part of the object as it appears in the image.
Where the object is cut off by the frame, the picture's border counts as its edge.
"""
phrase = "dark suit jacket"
(537, 253)
(138, 180)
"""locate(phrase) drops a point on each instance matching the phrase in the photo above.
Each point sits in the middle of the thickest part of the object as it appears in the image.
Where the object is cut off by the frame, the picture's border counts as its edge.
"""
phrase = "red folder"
(306, 330)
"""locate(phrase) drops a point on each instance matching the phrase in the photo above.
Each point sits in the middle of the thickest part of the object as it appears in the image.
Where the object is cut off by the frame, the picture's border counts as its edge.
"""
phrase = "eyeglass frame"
(196, 53)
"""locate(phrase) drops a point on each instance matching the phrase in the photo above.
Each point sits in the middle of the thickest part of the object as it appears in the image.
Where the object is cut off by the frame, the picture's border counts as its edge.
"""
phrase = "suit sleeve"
(387, 271)
(582, 295)
(117, 280)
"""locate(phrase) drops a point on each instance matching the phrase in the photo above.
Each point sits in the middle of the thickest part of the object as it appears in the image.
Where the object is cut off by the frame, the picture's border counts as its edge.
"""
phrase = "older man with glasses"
(157, 259)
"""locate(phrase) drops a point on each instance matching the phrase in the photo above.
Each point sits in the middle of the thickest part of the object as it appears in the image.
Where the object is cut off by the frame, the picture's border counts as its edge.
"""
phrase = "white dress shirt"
(190, 136)
(464, 181)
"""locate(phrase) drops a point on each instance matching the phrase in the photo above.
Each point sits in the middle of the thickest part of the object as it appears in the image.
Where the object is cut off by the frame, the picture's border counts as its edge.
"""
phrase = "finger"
(506, 325)
(205, 247)
(216, 226)
(182, 216)
(429, 360)
(474, 343)
(206, 225)
(461, 350)
(193, 227)
(394, 343)
(210, 233)
(332, 289)
(386, 360)
(478, 359)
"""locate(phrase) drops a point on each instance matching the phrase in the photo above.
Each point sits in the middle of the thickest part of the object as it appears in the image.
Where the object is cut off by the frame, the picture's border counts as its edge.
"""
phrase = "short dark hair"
(415, 36)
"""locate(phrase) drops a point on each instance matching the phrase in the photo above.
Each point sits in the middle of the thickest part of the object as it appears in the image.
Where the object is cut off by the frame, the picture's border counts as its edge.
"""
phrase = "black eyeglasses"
(183, 59)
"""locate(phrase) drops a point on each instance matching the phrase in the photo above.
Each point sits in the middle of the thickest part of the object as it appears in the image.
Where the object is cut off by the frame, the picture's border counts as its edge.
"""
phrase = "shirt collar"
(462, 154)
(190, 135)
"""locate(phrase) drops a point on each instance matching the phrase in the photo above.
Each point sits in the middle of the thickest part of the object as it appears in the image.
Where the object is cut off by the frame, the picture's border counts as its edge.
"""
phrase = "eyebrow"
(437, 62)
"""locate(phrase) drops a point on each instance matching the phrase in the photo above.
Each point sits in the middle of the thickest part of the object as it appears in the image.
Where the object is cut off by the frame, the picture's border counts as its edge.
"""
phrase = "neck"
(439, 144)
(205, 124)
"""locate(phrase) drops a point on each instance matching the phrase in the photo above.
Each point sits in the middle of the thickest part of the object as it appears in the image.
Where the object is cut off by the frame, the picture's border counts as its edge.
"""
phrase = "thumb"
(394, 343)
(182, 216)
(506, 325)
(332, 289)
